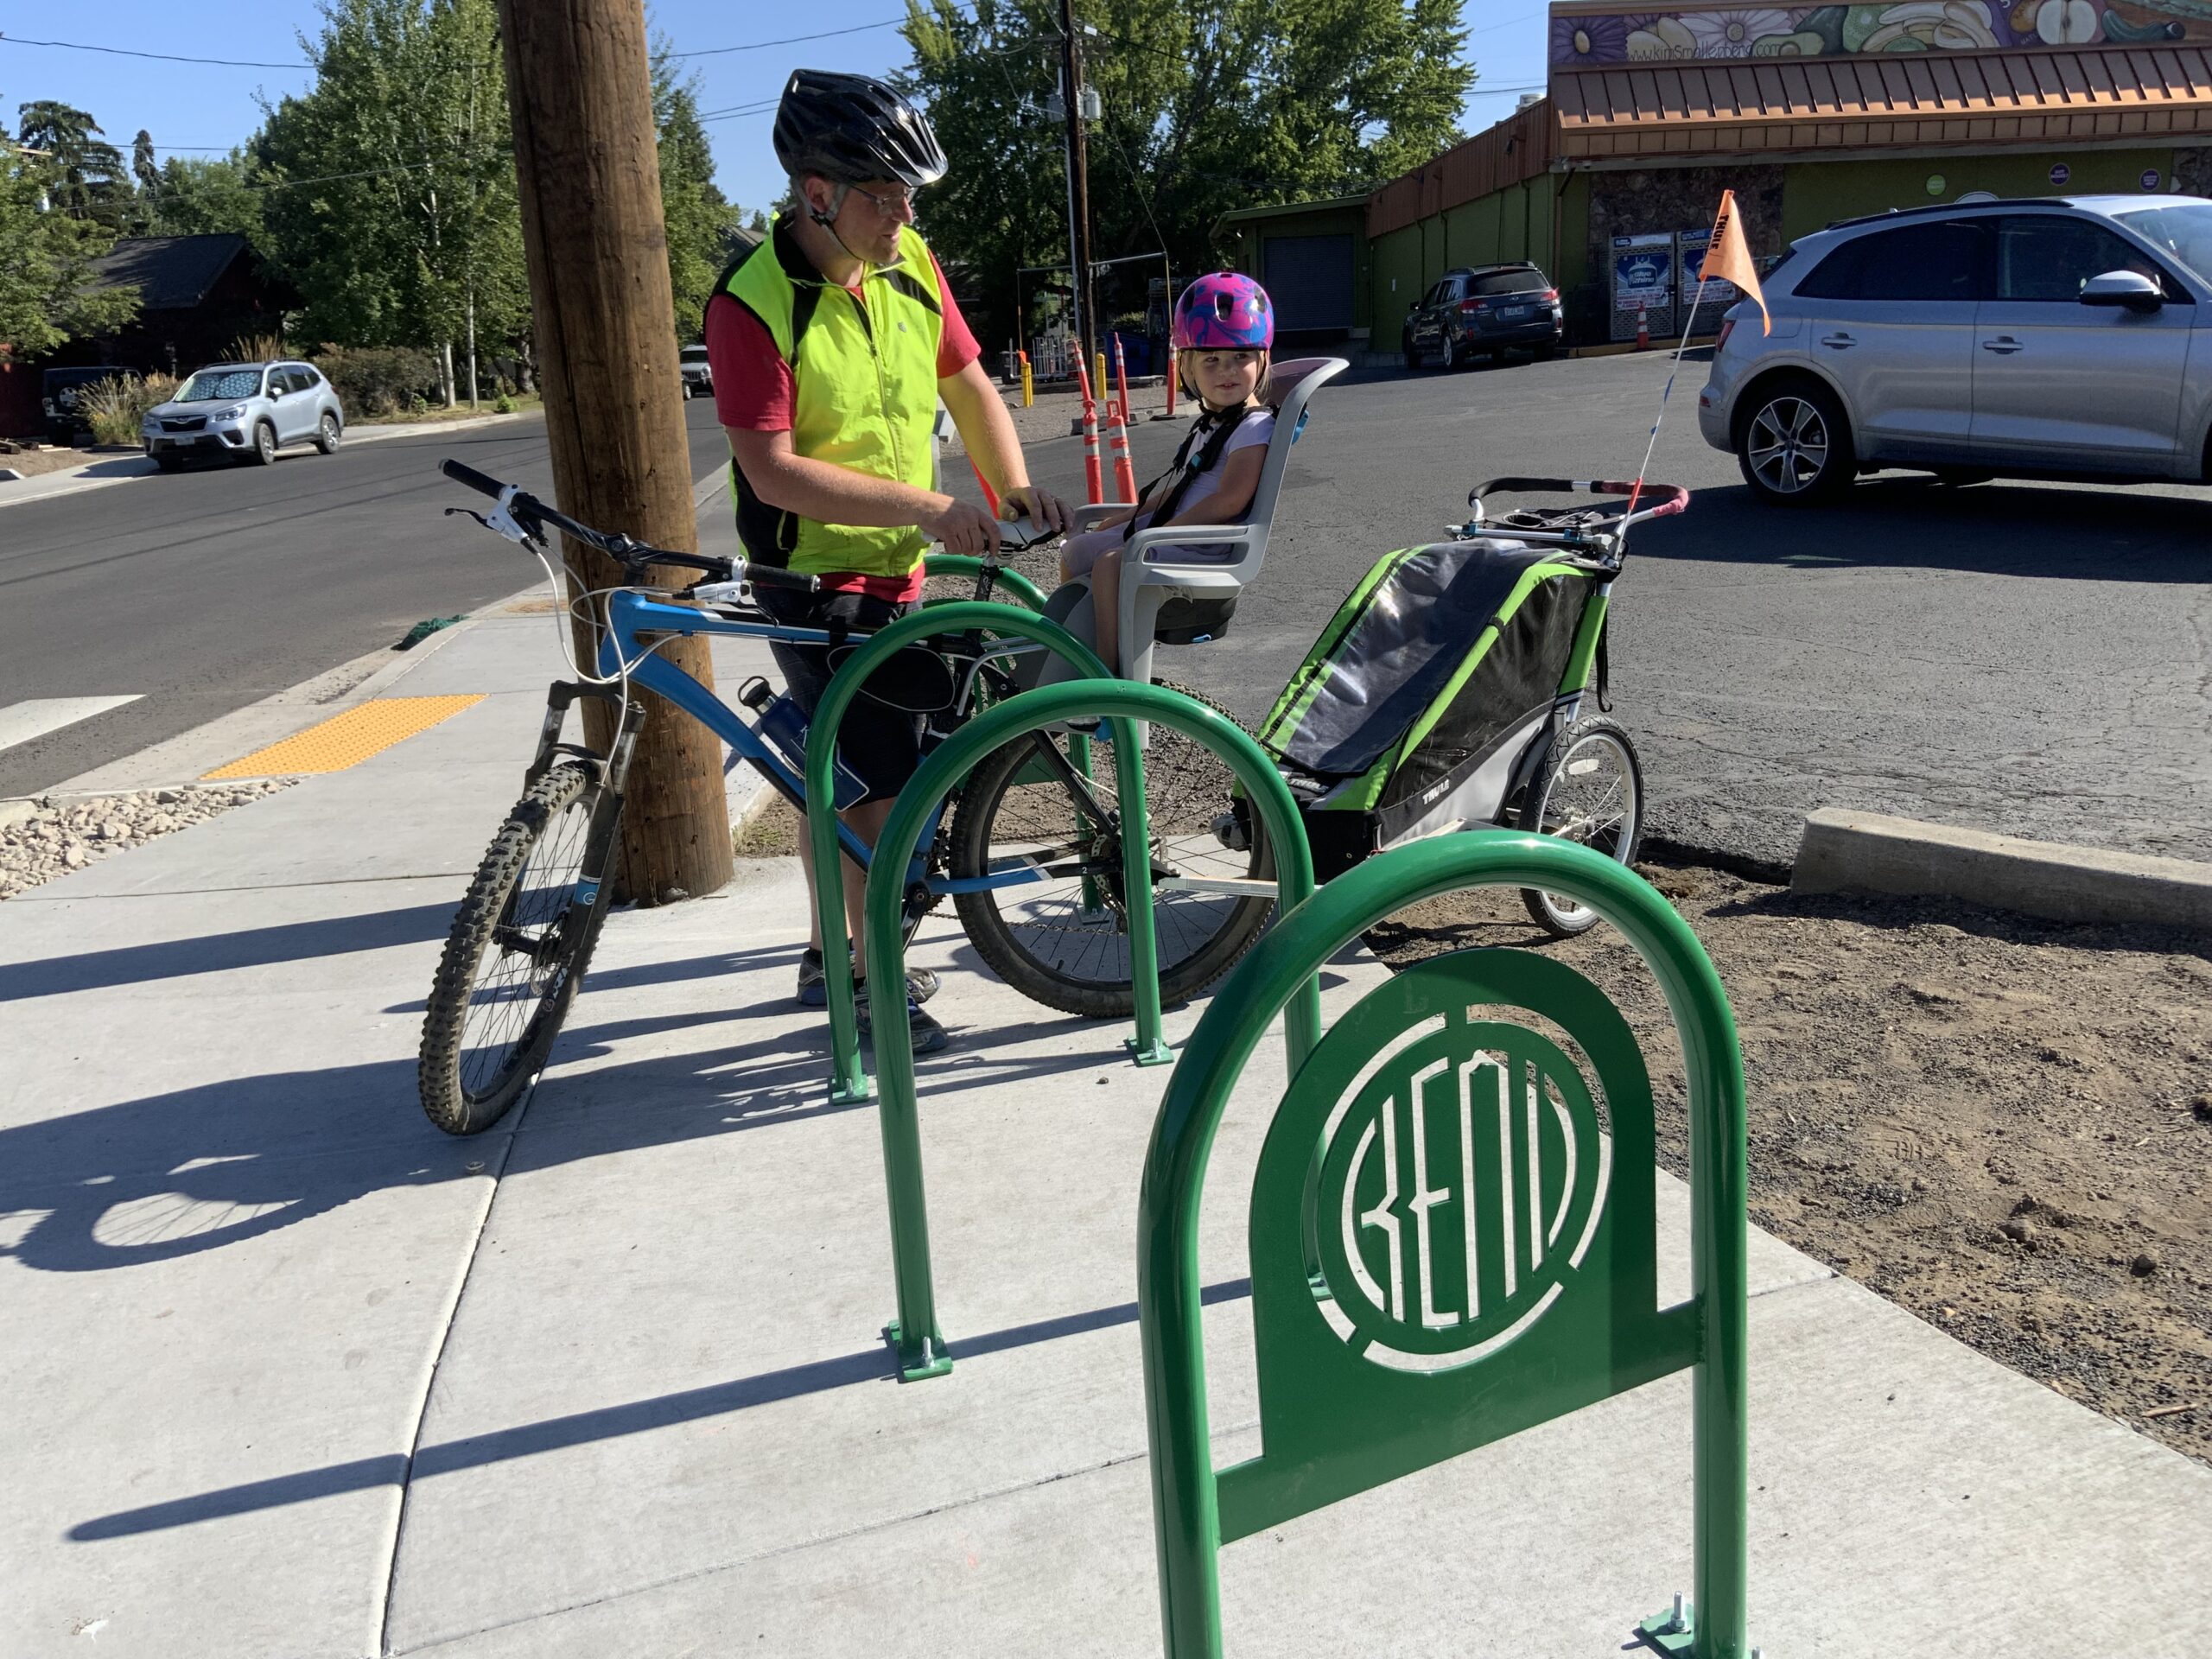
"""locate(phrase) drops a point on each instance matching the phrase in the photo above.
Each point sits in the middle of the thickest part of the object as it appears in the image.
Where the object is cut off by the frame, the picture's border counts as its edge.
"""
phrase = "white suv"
(2066, 338)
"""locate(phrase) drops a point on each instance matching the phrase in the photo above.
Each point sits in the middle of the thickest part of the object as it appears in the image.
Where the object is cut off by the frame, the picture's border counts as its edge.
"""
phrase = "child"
(1224, 327)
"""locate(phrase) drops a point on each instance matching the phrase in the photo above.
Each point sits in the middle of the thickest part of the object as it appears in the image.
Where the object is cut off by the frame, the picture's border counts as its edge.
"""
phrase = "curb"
(1869, 852)
(74, 481)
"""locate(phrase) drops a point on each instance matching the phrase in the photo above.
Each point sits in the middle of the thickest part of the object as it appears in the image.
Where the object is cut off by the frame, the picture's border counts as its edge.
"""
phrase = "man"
(831, 344)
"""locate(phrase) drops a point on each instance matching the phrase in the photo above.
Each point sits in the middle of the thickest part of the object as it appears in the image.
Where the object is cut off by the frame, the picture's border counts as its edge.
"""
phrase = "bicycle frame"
(631, 615)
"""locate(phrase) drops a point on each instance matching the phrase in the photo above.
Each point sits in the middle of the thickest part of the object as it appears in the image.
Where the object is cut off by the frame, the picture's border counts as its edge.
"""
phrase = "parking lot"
(2034, 659)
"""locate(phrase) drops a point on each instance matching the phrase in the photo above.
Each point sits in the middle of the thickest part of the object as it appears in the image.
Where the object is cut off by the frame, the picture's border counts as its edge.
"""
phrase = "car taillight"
(1550, 295)
(1474, 305)
(1727, 327)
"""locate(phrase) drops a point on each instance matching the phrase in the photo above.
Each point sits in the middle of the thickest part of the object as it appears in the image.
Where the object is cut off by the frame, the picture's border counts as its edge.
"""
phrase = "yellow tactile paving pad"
(347, 740)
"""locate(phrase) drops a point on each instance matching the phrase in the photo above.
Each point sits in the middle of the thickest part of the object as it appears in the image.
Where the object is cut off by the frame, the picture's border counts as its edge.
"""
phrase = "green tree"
(1208, 106)
(197, 195)
(700, 219)
(389, 184)
(83, 172)
(47, 295)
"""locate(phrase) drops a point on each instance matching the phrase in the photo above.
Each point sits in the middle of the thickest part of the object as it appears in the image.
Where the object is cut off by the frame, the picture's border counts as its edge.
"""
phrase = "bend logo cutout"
(1463, 1177)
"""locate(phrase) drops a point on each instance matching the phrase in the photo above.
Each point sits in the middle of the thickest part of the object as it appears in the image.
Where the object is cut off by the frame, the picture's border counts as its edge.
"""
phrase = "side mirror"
(2128, 289)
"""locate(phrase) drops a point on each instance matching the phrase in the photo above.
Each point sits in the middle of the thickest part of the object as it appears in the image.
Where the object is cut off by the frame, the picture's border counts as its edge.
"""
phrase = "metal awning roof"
(1743, 104)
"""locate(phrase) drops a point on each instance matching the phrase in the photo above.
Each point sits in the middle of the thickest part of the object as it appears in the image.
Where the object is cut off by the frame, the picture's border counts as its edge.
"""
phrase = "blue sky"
(210, 107)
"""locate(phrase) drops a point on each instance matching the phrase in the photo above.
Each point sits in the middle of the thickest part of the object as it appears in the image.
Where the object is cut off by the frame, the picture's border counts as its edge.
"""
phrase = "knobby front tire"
(517, 951)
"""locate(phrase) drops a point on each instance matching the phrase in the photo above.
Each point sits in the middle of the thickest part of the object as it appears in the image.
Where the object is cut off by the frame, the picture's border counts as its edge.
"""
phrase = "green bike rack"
(919, 1344)
(962, 564)
(848, 1081)
(1487, 1254)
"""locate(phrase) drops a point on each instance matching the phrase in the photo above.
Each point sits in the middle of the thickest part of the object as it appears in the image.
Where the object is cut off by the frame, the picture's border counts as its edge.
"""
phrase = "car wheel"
(1451, 360)
(326, 434)
(265, 444)
(1794, 445)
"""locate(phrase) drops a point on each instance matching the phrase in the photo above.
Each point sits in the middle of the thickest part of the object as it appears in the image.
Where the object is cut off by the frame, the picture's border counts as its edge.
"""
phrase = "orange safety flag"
(1729, 257)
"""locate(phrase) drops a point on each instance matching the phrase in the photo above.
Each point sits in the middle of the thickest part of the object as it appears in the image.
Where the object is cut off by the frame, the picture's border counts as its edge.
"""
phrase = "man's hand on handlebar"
(965, 528)
(1045, 511)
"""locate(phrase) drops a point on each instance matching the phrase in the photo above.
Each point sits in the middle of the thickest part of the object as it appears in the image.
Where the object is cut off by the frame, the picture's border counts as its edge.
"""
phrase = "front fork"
(593, 890)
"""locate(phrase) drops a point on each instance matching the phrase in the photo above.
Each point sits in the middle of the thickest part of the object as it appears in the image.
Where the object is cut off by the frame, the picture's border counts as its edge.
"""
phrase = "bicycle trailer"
(1440, 694)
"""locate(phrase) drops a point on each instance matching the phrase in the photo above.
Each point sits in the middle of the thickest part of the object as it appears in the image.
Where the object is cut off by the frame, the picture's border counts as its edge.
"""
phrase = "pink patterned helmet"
(1224, 310)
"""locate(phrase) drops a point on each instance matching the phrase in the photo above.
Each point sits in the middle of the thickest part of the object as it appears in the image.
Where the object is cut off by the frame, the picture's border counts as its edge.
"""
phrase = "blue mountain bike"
(1028, 848)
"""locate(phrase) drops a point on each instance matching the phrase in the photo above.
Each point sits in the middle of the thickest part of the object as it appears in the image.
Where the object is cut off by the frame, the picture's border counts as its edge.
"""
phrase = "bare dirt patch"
(1999, 1123)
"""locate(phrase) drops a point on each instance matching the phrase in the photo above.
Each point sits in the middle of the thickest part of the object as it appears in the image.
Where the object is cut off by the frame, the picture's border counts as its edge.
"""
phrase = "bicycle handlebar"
(534, 518)
(1665, 499)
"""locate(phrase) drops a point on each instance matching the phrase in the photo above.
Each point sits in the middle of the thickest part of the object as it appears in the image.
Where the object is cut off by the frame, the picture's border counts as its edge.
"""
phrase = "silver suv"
(2062, 337)
(698, 374)
(251, 410)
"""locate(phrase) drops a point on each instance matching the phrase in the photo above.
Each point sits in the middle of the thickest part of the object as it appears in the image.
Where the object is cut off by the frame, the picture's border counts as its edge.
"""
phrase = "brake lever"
(498, 519)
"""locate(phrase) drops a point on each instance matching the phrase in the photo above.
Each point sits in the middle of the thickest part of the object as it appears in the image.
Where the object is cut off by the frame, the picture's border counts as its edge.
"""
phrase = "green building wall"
(1515, 223)
(1815, 195)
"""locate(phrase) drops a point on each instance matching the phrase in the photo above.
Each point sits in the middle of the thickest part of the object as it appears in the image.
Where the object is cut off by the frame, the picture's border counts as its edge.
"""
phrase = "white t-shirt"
(1258, 427)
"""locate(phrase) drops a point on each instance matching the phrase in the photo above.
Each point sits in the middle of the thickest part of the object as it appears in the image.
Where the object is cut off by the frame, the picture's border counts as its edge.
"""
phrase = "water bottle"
(783, 727)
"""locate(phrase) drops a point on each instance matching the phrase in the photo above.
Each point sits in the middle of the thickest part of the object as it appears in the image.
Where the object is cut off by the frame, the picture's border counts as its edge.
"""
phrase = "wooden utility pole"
(580, 87)
(1086, 318)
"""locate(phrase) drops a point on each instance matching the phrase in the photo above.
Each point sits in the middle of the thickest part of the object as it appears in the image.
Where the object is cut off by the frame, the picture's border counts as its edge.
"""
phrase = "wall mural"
(1586, 41)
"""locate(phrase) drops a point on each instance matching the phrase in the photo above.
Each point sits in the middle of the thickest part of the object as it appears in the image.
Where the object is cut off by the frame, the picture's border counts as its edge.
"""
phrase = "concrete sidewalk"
(294, 1374)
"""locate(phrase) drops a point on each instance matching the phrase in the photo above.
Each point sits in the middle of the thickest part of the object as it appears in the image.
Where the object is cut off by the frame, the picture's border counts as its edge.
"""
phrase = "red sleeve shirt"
(753, 383)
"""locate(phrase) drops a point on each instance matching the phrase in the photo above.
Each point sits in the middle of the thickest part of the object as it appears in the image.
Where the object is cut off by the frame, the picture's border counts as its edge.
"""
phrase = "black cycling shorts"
(880, 744)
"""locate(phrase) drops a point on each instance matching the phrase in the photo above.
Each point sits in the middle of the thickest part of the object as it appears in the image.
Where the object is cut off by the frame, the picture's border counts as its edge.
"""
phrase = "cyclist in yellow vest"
(830, 344)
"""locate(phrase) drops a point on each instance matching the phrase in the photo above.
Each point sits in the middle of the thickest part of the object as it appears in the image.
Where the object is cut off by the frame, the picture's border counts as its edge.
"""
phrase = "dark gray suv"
(1483, 311)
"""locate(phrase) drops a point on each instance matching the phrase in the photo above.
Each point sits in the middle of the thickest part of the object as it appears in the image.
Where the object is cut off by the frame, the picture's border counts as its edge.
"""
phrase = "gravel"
(44, 837)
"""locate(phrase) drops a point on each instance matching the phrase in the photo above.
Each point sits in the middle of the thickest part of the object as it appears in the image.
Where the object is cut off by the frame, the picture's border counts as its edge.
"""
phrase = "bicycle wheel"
(1590, 789)
(1064, 941)
(517, 951)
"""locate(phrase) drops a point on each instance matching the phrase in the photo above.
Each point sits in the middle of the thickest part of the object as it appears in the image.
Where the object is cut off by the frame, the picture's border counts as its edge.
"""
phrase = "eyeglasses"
(900, 206)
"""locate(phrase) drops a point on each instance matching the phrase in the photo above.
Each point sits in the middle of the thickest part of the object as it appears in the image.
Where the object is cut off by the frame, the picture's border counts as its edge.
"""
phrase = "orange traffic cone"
(1125, 471)
(1643, 328)
(1095, 488)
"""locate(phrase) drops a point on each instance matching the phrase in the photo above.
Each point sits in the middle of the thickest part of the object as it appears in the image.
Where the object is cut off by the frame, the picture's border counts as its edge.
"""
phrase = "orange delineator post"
(1125, 471)
(990, 495)
(1175, 376)
(1091, 481)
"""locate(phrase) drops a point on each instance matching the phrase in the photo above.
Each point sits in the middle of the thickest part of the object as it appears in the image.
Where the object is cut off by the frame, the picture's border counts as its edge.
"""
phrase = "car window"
(2183, 229)
(1914, 262)
(2049, 256)
(1510, 281)
(283, 381)
(695, 354)
(220, 385)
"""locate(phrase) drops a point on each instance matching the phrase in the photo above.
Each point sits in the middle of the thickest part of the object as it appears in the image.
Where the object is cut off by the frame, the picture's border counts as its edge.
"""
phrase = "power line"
(163, 57)
(309, 63)
(791, 40)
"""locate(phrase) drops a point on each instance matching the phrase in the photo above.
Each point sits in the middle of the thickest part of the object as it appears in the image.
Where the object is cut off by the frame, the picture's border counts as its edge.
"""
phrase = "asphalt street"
(201, 592)
(2033, 659)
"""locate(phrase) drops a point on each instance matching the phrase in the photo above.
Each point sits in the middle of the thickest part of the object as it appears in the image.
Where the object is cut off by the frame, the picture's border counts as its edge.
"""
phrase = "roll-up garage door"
(1309, 279)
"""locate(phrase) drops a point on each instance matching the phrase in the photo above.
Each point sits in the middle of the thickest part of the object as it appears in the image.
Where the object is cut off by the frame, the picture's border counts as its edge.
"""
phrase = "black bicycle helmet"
(850, 129)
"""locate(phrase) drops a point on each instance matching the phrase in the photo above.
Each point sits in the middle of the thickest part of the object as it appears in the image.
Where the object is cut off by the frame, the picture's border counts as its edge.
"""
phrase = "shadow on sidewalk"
(215, 953)
(218, 1164)
(586, 1428)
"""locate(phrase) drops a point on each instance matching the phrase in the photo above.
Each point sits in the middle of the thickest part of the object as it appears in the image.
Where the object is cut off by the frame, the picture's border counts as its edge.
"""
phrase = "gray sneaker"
(814, 990)
(928, 1035)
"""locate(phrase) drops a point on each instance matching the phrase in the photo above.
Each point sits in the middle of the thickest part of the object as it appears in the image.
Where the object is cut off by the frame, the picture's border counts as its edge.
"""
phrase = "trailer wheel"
(1589, 788)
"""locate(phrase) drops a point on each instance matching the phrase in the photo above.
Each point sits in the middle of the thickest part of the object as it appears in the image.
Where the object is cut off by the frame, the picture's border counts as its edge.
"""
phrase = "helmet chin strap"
(828, 221)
